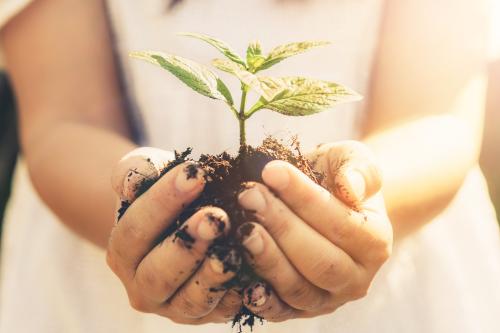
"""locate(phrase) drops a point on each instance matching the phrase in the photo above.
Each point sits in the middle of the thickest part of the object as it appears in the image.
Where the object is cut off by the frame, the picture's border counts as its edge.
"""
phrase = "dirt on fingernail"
(217, 222)
(185, 237)
(245, 230)
(191, 170)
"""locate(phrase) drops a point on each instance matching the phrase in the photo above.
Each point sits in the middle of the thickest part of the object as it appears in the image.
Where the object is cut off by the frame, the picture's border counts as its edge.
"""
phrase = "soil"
(226, 176)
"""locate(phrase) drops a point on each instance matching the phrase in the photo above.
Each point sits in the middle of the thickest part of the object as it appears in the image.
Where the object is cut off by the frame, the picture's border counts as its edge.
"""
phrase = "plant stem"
(242, 134)
(242, 118)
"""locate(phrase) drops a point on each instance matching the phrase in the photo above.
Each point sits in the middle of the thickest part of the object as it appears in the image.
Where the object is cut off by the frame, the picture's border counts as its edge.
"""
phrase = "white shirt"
(441, 279)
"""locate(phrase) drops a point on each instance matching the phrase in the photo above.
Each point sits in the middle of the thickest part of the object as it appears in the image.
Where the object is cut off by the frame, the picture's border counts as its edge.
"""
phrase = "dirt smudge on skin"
(185, 237)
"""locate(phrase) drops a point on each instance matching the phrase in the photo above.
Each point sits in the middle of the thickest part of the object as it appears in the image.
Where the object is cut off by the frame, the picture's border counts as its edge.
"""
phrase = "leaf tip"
(135, 54)
(186, 34)
(321, 43)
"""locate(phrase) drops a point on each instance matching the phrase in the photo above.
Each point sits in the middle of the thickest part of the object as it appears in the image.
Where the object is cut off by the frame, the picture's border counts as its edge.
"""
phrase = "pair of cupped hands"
(315, 247)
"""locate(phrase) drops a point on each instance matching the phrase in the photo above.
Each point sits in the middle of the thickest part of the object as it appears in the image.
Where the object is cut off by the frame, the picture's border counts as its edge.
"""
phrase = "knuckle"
(146, 279)
(382, 254)
(184, 321)
(150, 283)
(115, 261)
(276, 220)
(266, 263)
(331, 305)
(283, 315)
(132, 231)
(306, 199)
(300, 296)
(230, 303)
(380, 249)
(342, 232)
(111, 261)
(359, 290)
(330, 273)
(279, 226)
(139, 304)
(228, 311)
(191, 308)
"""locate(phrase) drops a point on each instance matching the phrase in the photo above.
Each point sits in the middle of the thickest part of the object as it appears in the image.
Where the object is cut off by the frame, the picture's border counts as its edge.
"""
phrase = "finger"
(203, 291)
(271, 264)
(261, 300)
(363, 233)
(174, 260)
(225, 311)
(227, 308)
(138, 169)
(315, 257)
(150, 215)
(351, 170)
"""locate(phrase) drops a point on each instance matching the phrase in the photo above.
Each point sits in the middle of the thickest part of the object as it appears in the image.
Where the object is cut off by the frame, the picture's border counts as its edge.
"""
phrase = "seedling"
(291, 96)
(226, 175)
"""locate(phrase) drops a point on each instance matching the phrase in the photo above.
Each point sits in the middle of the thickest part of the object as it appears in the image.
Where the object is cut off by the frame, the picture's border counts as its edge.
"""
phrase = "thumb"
(350, 168)
(136, 169)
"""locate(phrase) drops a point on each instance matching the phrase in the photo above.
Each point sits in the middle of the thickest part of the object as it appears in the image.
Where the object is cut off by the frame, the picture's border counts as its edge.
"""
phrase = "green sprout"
(292, 96)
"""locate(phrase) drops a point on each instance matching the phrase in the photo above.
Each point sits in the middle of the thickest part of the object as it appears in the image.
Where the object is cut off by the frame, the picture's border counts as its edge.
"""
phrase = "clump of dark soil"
(226, 176)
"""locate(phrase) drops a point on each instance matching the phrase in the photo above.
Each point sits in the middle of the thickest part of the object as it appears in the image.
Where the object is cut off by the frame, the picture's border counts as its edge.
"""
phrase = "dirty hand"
(315, 248)
(168, 276)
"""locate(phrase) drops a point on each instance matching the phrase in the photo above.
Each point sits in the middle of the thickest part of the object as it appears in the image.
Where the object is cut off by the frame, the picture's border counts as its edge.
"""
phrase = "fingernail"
(130, 184)
(132, 171)
(275, 174)
(139, 179)
(356, 182)
(257, 295)
(189, 178)
(251, 239)
(211, 226)
(216, 265)
(252, 199)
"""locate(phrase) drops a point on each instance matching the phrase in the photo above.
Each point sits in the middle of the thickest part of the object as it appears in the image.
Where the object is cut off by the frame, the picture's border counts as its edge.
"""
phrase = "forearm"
(72, 126)
(70, 167)
(424, 163)
(426, 104)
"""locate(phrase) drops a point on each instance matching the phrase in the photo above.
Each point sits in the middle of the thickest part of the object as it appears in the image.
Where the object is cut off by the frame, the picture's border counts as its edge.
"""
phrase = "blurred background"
(8, 141)
(490, 156)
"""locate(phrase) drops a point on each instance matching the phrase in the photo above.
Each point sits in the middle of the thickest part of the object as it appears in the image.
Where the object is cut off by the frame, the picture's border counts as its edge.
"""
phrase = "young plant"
(292, 96)
(227, 175)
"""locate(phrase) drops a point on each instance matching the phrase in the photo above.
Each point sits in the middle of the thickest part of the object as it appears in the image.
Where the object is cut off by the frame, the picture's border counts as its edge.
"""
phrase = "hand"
(168, 276)
(315, 248)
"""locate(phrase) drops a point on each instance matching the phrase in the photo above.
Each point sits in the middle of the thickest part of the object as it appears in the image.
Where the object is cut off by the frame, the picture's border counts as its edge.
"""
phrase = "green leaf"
(227, 66)
(254, 49)
(194, 75)
(266, 89)
(219, 45)
(303, 96)
(222, 88)
(254, 56)
(282, 52)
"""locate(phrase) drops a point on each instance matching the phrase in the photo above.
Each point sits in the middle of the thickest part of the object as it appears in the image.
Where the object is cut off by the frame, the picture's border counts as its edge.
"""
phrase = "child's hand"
(316, 249)
(157, 275)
